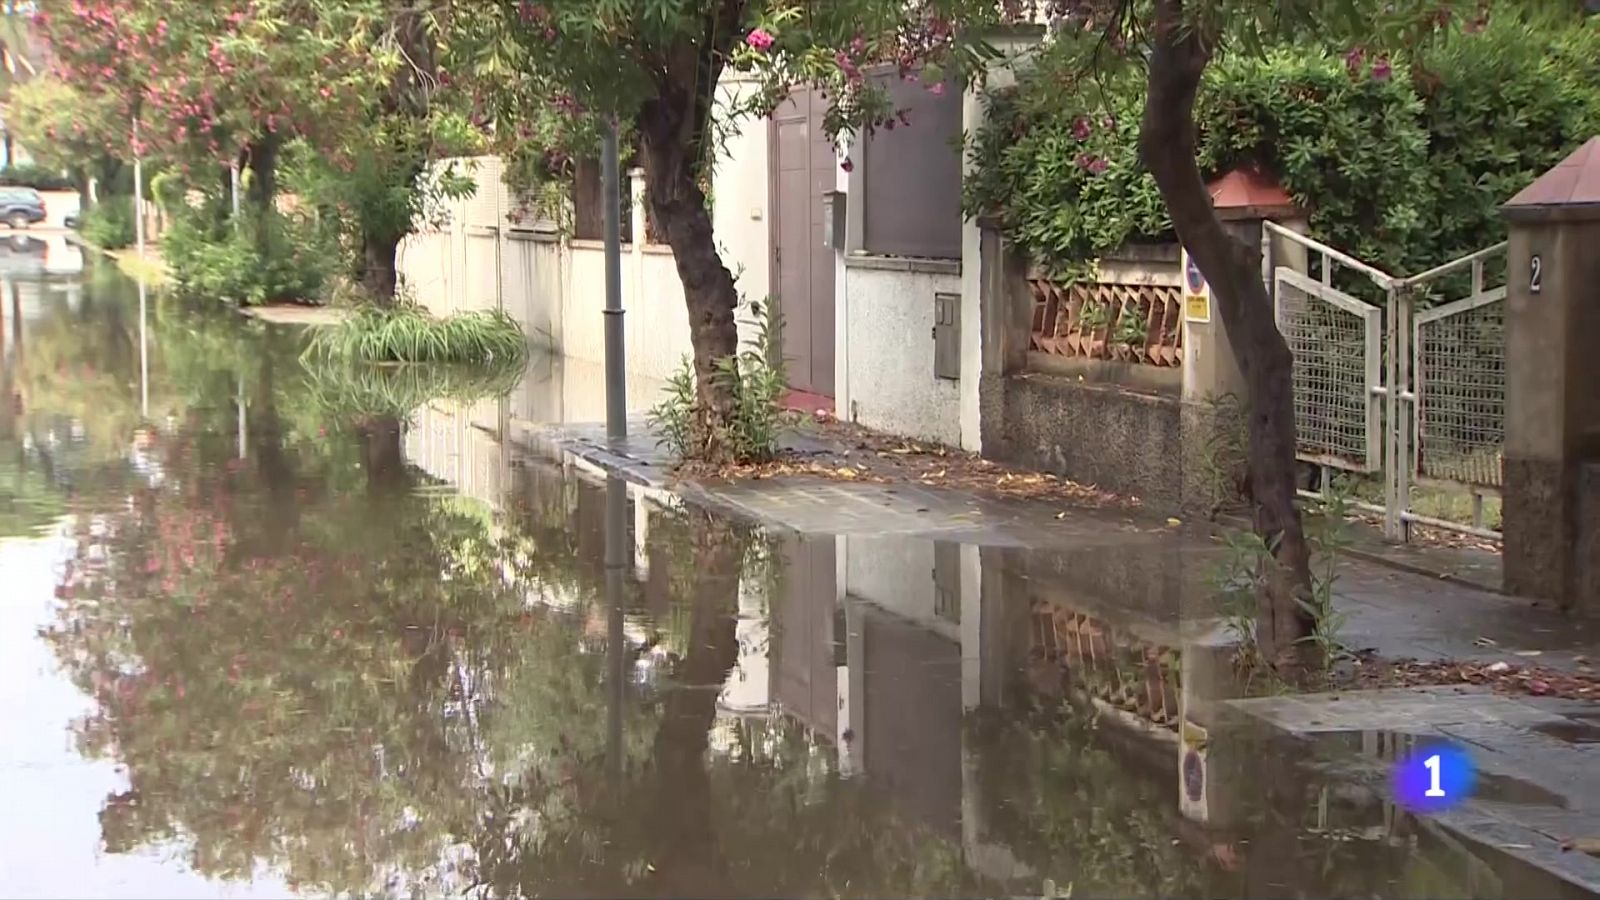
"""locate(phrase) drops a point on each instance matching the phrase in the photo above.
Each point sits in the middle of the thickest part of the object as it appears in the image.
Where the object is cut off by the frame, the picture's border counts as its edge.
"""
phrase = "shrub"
(109, 223)
(262, 260)
(37, 177)
(756, 423)
(405, 333)
(1401, 162)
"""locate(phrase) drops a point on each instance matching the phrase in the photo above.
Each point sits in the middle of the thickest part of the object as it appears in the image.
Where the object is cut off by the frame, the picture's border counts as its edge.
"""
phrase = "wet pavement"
(271, 631)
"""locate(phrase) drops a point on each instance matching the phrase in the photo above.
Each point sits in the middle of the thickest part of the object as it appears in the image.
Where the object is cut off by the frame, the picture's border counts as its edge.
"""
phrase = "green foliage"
(1250, 558)
(260, 258)
(1328, 533)
(1402, 160)
(345, 389)
(109, 224)
(408, 334)
(37, 177)
(757, 379)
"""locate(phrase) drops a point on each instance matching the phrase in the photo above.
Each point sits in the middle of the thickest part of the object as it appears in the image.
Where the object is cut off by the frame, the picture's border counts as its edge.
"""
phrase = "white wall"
(888, 315)
(740, 196)
(556, 288)
(57, 206)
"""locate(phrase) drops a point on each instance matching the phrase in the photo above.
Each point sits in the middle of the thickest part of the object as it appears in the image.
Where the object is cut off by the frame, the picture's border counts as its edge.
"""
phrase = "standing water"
(269, 629)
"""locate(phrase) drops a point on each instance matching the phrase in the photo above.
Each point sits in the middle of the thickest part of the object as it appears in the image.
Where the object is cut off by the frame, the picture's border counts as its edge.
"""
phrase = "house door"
(803, 163)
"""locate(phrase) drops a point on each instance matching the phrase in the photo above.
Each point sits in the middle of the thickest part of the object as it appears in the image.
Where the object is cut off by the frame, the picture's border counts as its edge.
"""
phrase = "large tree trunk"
(379, 269)
(673, 127)
(264, 171)
(1233, 268)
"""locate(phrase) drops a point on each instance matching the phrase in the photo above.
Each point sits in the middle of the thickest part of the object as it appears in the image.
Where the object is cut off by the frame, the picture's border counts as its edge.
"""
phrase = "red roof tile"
(1574, 181)
(1248, 187)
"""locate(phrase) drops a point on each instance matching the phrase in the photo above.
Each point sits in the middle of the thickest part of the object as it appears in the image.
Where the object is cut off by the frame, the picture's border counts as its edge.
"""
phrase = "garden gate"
(1403, 377)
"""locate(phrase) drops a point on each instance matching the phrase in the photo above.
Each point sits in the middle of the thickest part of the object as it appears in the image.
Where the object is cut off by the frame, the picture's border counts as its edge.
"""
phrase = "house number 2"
(1535, 274)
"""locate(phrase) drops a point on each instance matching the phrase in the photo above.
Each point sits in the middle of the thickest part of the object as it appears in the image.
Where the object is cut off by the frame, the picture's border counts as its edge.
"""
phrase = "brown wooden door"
(802, 171)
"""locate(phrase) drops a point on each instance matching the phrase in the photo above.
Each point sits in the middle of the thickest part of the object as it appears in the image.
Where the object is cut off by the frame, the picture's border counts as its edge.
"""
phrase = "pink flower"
(1381, 70)
(1081, 128)
(761, 39)
(1354, 59)
(936, 89)
(848, 165)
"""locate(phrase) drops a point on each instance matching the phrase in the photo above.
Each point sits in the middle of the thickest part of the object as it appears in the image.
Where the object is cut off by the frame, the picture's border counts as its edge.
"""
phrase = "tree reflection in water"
(309, 657)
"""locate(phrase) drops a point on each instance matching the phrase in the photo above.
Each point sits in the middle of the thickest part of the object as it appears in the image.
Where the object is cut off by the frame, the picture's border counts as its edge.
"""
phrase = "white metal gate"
(1439, 336)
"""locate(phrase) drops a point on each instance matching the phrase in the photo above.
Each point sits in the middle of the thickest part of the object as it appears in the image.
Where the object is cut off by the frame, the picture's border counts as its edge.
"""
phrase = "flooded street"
(268, 630)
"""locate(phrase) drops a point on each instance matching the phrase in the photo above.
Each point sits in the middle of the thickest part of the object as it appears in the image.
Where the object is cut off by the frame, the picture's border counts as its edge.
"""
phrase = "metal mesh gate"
(1414, 388)
(1459, 377)
(1336, 342)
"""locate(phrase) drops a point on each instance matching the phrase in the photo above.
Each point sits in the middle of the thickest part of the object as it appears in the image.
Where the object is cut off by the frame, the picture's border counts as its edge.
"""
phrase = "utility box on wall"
(947, 336)
(834, 206)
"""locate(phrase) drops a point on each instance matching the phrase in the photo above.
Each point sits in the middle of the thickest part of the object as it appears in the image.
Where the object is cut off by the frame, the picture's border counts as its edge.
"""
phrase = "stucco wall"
(889, 354)
(1141, 445)
(739, 196)
(556, 288)
(58, 205)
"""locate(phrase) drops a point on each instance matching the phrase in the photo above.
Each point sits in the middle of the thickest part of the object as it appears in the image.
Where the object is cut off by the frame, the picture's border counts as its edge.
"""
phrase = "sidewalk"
(1396, 613)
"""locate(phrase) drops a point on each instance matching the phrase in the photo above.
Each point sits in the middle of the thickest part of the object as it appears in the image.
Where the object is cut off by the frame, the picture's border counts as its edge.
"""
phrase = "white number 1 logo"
(1433, 764)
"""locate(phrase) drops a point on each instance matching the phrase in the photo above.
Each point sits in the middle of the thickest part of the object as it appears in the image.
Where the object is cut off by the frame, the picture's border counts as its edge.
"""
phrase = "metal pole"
(144, 352)
(616, 384)
(138, 190)
(617, 559)
(233, 184)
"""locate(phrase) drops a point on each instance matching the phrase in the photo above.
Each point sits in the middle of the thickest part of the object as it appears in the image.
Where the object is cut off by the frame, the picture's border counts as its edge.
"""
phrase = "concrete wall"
(888, 314)
(740, 198)
(476, 259)
(58, 205)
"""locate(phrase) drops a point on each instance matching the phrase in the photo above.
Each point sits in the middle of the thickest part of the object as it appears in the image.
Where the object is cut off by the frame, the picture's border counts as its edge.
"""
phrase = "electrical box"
(833, 209)
(947, 336)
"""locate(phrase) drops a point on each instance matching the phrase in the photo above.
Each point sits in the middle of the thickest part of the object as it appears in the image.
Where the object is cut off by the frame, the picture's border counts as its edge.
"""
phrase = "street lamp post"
(616, 384)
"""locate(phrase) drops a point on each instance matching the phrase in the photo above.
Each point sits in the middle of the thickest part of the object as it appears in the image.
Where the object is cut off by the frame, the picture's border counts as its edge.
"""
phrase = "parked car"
(21, 206)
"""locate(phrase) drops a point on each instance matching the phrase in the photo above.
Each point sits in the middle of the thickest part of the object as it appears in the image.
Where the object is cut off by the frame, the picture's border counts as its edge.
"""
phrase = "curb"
(1388, 561)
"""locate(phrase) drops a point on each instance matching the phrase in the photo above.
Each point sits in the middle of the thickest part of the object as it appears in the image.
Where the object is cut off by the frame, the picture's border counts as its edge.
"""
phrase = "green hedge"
(109, 224)
(36, 177)
(263, 260)
(1403, 164)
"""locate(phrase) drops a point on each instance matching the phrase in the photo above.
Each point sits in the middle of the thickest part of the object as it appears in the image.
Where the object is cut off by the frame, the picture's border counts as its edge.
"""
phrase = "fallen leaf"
(1538, 687)
(1499, 667)
(1530, 652)
(1484, 642)
(845, 472)
(1061, 515)
(1587, 845)
(1174, 523)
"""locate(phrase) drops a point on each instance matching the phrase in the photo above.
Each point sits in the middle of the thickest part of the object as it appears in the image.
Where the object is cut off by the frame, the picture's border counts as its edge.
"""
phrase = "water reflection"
(339, 635)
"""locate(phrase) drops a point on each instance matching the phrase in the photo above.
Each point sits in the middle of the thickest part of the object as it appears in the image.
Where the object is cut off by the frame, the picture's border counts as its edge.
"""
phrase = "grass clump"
(408, 334)
(756, 376)
(338, 388)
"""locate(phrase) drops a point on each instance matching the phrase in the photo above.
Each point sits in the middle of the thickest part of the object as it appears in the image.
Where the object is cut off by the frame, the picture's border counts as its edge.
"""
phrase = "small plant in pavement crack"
(759, 380)
(1328, 533)
(1247, 563)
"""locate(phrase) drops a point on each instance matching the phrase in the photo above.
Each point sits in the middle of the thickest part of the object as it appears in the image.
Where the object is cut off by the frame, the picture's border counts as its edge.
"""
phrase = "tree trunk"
(264, 171)
(678, 208)
(1179, 57)
(680, 812)
(381, 453)
(379, 269)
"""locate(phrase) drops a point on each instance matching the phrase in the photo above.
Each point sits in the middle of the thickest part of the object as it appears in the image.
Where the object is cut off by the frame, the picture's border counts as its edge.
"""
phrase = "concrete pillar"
(979, 348)
(1244, 199)
(1552, 405)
